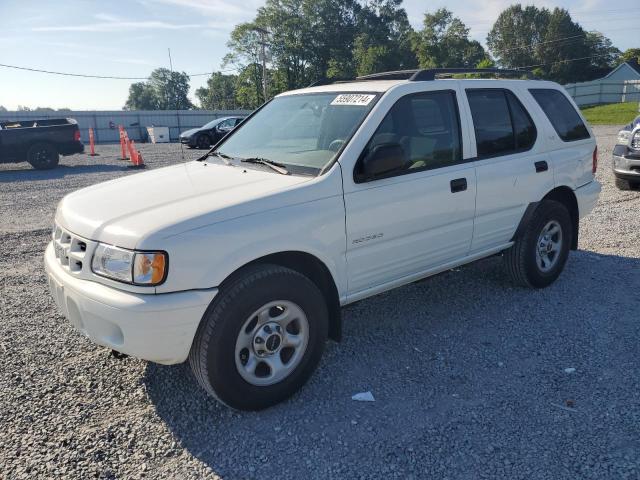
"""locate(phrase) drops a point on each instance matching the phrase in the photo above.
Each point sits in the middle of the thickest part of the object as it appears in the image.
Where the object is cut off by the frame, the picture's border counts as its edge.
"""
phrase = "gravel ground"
(467, 371)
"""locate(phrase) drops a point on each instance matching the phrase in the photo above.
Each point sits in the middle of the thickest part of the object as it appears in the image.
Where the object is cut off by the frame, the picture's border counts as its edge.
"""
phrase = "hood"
(188, 133)
(167, 201)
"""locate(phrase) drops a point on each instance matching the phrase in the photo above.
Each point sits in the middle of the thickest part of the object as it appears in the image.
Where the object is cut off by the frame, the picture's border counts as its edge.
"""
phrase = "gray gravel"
(468, 372)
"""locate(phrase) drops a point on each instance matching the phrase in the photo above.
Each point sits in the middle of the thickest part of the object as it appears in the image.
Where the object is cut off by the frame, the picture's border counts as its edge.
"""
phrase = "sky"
(130, 38)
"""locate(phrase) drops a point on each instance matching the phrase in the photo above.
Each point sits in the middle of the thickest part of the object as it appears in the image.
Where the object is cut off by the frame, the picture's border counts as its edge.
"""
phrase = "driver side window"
(227, 124)
(427, 128)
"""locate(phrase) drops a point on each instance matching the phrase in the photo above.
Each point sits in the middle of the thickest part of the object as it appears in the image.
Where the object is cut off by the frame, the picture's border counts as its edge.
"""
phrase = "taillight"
(594, 164)
(76, 136)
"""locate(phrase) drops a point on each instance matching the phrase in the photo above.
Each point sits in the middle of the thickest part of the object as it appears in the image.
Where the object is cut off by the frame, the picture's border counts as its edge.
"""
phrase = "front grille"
(72, 252)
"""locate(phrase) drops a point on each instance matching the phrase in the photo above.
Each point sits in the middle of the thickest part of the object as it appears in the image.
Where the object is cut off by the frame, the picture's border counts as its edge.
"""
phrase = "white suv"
(240, 261)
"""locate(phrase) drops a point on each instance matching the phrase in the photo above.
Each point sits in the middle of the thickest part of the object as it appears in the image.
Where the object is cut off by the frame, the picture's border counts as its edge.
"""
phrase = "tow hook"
(118, 355)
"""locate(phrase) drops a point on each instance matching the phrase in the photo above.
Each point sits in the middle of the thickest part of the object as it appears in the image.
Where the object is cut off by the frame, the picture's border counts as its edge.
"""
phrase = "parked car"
(242, 260)
(210, 133)
(626, 157)
(39, 142)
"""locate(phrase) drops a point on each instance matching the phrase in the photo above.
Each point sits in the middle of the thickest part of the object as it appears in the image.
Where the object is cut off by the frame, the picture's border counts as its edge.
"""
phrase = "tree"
(220, 92)
(3, 109)
(142, 96)
(630, 54)
(165, 90)
(550, 42)
(383, 39)
(444, 42)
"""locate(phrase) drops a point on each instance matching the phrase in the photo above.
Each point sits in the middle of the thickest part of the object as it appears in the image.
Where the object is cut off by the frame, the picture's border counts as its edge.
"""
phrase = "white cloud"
(218, 8)
(115, 25)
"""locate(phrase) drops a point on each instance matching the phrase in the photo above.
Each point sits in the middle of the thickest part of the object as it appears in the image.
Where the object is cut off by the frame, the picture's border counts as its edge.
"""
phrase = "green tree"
(550, 42)
(165, 90)
(630, 54)
(444, 42)
(515, 35)
(3, 109)
(383, 38)
(220, 92)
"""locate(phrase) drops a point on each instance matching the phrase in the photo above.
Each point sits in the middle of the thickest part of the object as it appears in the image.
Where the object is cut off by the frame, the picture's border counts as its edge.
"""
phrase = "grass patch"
(611, 113)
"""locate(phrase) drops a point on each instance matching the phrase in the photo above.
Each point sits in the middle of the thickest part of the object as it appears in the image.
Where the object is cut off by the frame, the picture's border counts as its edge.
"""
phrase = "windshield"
(303, 132)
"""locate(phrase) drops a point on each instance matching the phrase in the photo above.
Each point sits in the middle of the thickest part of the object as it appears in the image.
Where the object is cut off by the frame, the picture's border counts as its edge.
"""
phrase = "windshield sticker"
(353, 99)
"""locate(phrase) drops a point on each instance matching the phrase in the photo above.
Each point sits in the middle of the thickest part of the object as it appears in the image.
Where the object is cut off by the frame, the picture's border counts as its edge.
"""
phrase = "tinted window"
(502, 125)
(561, 114)
(426, 126)
(492, 122)
(523, 127)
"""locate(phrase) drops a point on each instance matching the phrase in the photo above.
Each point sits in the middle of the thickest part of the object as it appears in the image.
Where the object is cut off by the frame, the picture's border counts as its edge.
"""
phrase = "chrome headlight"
(635, 140)
(623, 137)
(130, 266)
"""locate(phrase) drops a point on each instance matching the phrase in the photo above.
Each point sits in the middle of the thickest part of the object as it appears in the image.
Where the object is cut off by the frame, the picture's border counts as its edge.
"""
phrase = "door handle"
(458, 185)
(541, 166)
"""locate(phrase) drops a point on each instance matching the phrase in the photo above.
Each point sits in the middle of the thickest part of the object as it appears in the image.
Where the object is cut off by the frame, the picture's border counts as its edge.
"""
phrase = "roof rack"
(432, 73)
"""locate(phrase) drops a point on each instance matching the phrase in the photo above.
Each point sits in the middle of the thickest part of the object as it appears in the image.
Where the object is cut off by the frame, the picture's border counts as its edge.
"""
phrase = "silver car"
(626, 157)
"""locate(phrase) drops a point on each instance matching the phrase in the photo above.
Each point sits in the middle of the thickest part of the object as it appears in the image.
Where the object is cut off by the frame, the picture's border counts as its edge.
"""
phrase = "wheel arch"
(567, 197)
(313, 268)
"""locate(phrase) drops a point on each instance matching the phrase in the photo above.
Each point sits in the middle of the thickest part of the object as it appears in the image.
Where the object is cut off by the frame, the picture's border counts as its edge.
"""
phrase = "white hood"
(127, 211)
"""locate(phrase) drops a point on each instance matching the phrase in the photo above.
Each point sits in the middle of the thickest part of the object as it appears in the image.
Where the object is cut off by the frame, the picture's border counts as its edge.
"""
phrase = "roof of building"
(632, 63)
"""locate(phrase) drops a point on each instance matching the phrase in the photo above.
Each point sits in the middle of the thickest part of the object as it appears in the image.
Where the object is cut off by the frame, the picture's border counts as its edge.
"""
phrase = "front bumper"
(190, 141)
(587, 196)
(626, 167)
(155, 327)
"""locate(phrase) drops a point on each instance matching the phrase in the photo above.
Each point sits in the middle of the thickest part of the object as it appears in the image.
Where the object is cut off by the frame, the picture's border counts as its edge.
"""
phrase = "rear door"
(420, 216)
(512, 165)
(571, 143)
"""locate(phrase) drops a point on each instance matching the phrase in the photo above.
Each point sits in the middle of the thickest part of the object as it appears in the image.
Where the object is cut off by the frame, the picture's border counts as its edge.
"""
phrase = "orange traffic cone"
(123, 143)
(92, 144)
(136, 158)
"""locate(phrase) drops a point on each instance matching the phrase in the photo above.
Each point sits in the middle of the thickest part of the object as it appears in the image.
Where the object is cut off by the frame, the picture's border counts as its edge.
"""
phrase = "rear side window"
(561, 114)
(502, 125)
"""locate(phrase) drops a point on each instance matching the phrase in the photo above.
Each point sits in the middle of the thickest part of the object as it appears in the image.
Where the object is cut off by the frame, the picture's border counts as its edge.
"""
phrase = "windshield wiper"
(278, 167)
(223, 156)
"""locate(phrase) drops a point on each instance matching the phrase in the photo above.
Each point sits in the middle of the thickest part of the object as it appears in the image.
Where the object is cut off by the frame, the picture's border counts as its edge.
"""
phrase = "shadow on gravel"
(469, 382)
(61, 171)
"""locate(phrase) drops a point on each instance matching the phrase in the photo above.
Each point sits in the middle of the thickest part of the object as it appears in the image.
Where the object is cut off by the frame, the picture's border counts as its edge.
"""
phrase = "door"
(418, 216)
(512, 168)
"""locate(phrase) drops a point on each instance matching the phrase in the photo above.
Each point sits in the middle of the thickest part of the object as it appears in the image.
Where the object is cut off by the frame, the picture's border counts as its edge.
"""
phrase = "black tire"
(520, 260)
(623, 184)
(43, 156)
(203, 141)
(212, 355)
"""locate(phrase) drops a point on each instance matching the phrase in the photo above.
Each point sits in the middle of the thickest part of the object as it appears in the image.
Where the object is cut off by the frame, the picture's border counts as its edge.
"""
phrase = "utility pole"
(263, 54)
(173, 93)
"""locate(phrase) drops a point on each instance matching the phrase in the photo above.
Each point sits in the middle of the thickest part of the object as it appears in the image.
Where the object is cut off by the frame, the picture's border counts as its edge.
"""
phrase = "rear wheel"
(538, 256)
(43, 156)
(261, 338)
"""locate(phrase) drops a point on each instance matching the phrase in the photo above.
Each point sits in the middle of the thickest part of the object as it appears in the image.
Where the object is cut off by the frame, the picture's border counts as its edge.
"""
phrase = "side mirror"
(383, 159)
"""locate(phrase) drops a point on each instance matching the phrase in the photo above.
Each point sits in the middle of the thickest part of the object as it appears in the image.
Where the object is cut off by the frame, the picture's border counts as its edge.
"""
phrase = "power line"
(109, 77)
(564, 61)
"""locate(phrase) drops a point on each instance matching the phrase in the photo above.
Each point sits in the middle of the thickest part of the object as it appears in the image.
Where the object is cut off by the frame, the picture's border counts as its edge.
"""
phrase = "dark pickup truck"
(39, 142)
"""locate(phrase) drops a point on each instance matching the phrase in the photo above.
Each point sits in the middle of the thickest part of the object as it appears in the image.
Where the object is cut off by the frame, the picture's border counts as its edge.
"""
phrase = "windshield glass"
(303, 132)
(212, 123)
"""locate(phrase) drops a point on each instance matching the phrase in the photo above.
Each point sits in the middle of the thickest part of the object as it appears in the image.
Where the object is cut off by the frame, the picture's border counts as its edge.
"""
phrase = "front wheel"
(538, 256)
(261, 338)
(203, 141)
(623, 184)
